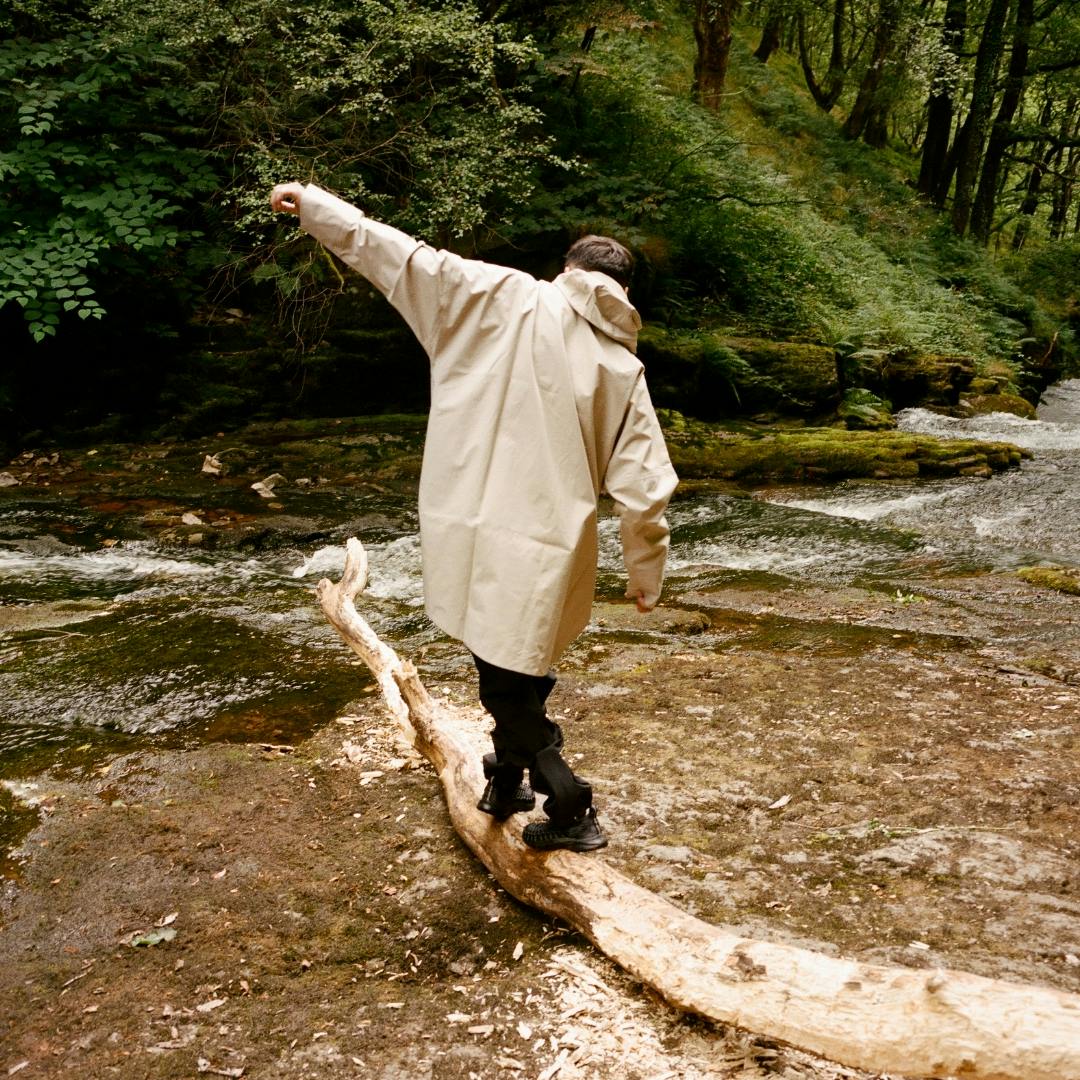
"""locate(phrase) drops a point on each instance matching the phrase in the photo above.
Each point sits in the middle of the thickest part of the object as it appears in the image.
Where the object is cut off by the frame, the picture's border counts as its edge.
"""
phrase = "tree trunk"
(770, 35)
(969, 144)
(1063, 193)
(1063, 167)
(919, 1023)
(939, 105)
(1001, 135)
(1041, 162)
(712, 32)
(868, 116)
(825, 97)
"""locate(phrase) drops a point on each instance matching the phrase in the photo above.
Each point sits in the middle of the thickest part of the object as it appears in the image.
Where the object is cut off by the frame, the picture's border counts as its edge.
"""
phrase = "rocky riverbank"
(881, 772)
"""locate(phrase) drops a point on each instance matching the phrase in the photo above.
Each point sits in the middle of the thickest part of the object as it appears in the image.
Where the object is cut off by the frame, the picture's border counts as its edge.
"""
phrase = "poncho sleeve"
(432, 289)
(641, 480)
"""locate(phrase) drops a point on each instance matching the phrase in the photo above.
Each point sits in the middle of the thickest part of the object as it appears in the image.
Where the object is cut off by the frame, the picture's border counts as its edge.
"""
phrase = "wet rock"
(984, 404)
(7, 480)
(47, 616)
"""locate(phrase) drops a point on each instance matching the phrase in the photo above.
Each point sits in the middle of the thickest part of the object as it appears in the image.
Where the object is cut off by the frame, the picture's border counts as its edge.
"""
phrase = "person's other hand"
(285, 198)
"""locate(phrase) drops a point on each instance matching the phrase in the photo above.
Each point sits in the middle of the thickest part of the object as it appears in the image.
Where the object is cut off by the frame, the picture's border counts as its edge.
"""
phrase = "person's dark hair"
(603, 254)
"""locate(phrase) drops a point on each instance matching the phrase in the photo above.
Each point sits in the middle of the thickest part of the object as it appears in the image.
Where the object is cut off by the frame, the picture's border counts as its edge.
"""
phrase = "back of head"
(604, 254)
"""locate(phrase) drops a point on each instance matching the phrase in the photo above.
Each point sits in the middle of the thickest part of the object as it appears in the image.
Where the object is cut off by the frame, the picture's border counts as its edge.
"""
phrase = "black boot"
(506, 792)
(581, 835)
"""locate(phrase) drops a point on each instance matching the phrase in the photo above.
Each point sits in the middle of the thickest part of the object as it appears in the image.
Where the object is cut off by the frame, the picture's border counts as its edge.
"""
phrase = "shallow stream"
(109, 644)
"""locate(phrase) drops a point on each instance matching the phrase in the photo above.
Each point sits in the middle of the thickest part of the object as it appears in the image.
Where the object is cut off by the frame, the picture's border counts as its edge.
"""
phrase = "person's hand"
(285, 198)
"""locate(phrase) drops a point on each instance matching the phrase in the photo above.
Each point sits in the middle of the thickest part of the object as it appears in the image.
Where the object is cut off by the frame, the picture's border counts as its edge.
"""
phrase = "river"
(107, 646)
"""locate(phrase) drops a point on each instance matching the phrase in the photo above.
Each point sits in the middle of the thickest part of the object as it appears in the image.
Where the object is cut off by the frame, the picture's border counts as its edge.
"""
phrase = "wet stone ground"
(886, 775)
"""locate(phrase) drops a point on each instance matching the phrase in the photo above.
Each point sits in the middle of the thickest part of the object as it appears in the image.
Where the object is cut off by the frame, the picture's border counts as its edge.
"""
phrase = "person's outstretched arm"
(432, 289)
(641, 480)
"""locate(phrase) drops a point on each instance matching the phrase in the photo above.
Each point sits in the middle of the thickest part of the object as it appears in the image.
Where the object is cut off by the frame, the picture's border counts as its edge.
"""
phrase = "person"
(538, 404)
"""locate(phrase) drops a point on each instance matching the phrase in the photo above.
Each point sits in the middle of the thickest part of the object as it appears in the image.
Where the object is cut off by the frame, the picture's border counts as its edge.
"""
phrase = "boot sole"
(592, 844)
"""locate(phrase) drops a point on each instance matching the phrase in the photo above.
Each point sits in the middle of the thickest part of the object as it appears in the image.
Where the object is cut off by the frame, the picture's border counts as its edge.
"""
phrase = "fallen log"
(938, 1023)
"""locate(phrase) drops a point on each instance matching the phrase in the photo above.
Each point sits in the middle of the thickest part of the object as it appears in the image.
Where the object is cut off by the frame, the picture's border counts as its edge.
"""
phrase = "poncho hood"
(601, 301)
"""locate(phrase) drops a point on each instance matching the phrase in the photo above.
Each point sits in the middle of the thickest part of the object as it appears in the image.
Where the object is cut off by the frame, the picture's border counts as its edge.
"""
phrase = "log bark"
(918, 1023)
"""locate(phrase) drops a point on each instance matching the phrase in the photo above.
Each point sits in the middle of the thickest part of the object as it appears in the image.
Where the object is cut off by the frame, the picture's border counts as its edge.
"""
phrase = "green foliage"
(94, 173)
(409, 108)
(862, 410)
(754, 267)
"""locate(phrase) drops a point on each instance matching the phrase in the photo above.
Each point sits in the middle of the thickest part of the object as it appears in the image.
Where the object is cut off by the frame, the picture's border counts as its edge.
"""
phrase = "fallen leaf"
(209, 1006)
(167, 920)
(524, 1030)
(481, 1029)
(458, 1018)
(918, 945)
(149, 937)
(780, 803)
(519, 951)
(220, 874)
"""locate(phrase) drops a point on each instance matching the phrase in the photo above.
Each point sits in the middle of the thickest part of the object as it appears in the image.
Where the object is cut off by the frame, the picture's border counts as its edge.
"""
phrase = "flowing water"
(112, 645)
(1020, 517)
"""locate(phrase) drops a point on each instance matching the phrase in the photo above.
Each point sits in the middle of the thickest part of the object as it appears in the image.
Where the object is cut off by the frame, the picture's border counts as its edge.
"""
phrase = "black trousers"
(524, 738)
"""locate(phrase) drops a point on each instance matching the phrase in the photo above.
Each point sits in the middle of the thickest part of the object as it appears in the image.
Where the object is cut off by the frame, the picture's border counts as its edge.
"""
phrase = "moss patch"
(724, 452)
(1052, 577)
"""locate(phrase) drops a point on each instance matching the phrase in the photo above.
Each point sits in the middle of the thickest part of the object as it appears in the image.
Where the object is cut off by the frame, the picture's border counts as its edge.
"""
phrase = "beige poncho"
(537, 405)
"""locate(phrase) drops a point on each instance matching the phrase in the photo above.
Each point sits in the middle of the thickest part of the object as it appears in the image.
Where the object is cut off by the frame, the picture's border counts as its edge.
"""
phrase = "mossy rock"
(806, 373)
(907, 377)
(1064, 580)
(983, 404)
(715, 377)
(863, 411)
(702, 451)
(684, 375)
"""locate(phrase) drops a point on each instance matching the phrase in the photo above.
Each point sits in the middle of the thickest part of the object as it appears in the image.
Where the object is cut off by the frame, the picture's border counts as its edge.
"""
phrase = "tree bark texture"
(771, 34)
(1001, 134)
(939, 106)
(972, 138)
(1041, 158)
(915, 1022)
(825, 96)
(867, 119)
(712, 32)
